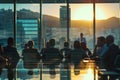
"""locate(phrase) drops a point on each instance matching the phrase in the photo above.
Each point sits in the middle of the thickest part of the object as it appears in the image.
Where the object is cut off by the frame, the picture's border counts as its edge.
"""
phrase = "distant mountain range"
(52, 21)
(112, 22)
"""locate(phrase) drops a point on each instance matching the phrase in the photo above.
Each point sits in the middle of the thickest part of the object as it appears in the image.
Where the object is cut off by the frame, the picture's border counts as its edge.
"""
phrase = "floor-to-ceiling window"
(6, 26)
(27, 29)
(82, 22)
(6, 22)
(54, 18)
(27, 24)
(108, 20)
(55, 23)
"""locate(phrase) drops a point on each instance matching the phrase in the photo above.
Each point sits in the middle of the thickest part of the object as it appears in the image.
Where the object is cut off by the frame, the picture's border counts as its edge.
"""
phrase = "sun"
(86, 13)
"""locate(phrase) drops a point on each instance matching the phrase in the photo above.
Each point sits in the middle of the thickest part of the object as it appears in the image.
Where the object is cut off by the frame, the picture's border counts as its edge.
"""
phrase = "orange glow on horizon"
(86, 13)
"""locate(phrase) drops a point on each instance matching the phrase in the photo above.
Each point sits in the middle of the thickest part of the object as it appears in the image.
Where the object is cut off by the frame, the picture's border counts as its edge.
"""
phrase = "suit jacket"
(12, 54)
(77, 55)
(31, 58)
(52, 56)
(110, 55)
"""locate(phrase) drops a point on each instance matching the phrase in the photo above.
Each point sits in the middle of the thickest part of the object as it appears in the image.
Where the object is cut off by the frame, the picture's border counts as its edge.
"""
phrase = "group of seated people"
(105, 50)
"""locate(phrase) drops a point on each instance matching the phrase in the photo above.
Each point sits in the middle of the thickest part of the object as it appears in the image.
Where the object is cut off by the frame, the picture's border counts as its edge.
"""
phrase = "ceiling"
(60, 1)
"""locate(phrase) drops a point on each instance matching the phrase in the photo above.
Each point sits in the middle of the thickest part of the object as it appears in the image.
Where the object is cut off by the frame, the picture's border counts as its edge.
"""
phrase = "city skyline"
(78, 11)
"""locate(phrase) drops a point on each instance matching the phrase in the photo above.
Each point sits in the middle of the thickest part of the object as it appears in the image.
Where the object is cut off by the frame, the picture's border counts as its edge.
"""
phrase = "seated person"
(100, 47)
(43, 50)
(77, 54)
(111, 54)
(65, 52)
(52, 57)
(99, 50)
(31, 57)
(86, 49)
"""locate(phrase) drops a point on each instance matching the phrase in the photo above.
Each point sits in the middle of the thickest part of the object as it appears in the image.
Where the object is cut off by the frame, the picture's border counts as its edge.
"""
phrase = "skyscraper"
(64, 21)
(64, 16)
(29, 30)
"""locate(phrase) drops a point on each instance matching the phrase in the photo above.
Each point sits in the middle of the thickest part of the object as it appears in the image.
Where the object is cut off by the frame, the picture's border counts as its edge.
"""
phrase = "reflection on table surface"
(87, 71)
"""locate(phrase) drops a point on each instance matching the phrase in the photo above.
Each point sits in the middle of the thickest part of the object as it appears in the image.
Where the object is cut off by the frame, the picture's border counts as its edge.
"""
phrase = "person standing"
(11, 53)
(82, 38)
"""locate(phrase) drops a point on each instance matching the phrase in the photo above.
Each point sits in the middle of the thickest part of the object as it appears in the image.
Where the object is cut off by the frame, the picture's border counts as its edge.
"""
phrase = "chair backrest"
(30, 58)
(117, 61)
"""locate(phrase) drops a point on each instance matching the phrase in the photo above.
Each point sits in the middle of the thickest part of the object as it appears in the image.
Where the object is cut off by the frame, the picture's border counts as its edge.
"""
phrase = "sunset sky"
(78, 11)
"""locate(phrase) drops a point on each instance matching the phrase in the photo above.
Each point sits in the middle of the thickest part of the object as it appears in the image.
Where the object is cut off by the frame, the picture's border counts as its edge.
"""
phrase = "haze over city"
(78, 11)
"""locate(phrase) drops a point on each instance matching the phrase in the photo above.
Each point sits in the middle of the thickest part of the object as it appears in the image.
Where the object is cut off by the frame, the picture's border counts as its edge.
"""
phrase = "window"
(6, 23)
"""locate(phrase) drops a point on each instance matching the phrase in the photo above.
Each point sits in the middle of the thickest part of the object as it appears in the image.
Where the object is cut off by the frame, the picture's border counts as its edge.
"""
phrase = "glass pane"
(27, 24)
(6, 29)
(82, 22)
(107, 35)
(54, 27)
(27, 29)
(55, 23)
(82, 30)
(109, 24)
(6, 23)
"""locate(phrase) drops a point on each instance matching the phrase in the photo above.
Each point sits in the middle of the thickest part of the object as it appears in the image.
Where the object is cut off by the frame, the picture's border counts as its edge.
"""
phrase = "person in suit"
(65, 52)
(99, 50)
(111, 53)
(52, 57)
(13, 57)
(43, 50)
(82, 38)
(31, 57)
(77, 54)
(86, 49)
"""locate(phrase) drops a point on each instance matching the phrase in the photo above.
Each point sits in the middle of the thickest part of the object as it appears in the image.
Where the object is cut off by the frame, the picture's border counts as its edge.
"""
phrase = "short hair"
(10, 41)
(110, 38)
(30, 43)
(66, 44)
(52, 42)
(81, 33)
(101, 38)
(76, 44)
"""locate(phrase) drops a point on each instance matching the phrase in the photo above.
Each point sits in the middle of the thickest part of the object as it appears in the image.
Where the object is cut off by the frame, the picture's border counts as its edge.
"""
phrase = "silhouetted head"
(83, 45)
(76, 44)
(66, 44)
(100, 41)
(10, 41)
(52, 42)
(81, 34)
(30, 44)
(109, 39)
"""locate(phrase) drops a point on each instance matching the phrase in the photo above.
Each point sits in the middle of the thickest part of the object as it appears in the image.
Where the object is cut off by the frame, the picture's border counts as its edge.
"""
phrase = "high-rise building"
(64, 19)
(29, 30)
(6, 25)
(64, 16)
